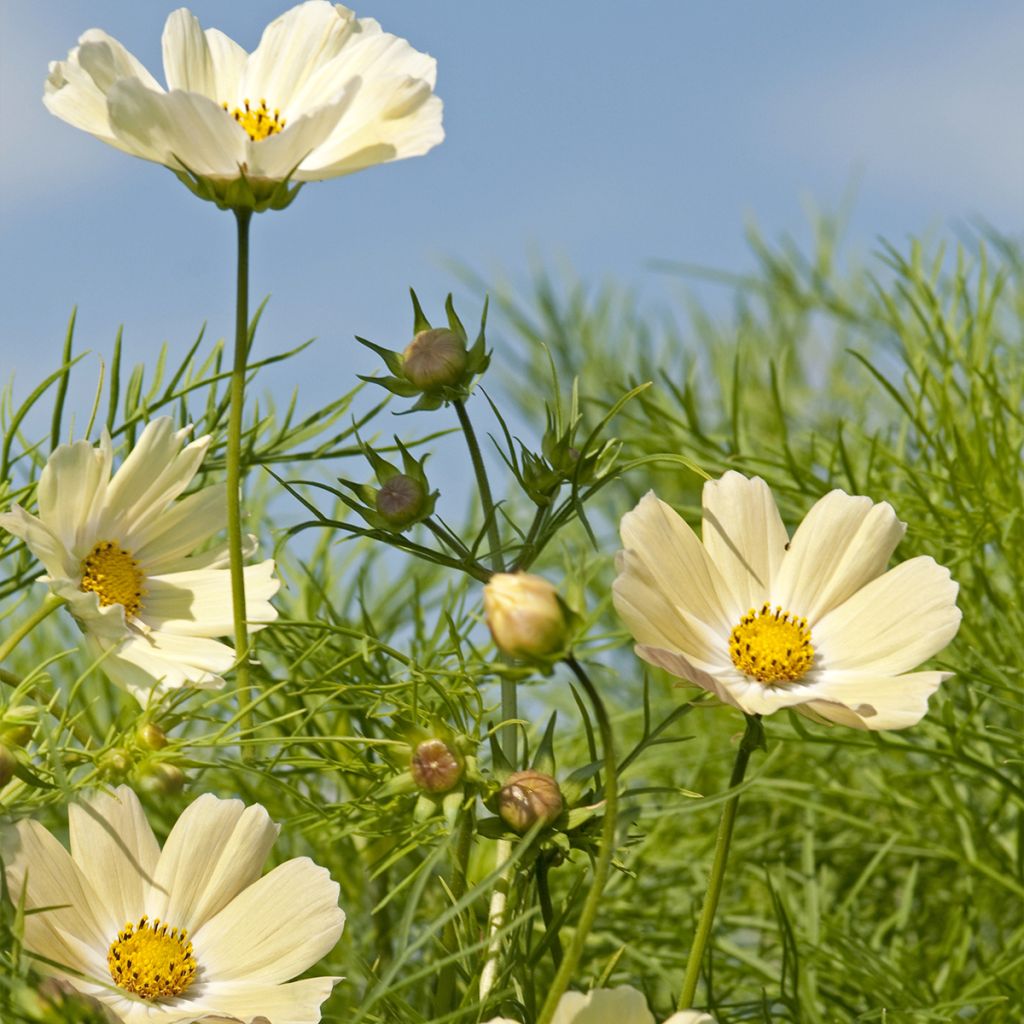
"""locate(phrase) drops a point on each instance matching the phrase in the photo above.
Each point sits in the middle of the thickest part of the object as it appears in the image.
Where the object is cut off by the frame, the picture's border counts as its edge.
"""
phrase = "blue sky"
(602, 134)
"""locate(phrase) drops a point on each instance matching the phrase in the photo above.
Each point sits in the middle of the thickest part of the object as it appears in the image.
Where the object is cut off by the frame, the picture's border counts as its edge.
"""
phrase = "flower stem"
(604, 858)
(51, 604)
(444, 1000)
(234, 475)
(753, 738)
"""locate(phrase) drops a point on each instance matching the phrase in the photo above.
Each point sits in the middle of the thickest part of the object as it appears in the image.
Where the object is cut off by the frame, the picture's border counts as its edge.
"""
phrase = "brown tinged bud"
(435, 767)
(527, 798)
(151, 736)
(401, 500)
(7, 766)
(434, 359)
(525, 615)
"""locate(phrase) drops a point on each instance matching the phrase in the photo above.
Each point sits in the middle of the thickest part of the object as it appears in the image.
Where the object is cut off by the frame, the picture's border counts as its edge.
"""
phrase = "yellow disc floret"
(771, 645)
(151, 960)
(260, 122)
(111, 572)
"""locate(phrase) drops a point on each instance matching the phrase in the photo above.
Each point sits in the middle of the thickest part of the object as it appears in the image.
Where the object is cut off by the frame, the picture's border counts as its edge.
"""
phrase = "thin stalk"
(50, 605)
(444, 998)
(602, 864)
(234, 475)
(753, 737)
(547, 909)
(496, 918)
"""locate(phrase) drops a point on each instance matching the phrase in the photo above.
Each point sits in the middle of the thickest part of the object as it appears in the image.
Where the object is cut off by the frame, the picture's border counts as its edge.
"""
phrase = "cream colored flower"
(119, 550)
(190, 932)
(324, 94)
(815, 623)
(621, 1005)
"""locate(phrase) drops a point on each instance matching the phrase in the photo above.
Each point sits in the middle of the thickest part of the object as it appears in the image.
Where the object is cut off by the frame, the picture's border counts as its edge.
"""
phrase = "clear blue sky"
(606, 134)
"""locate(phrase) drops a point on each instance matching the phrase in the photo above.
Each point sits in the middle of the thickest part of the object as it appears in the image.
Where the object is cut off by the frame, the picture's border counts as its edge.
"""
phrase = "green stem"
(234, 475)
(444, 1000)
(547, 909)
(50, 605)
(753, 737)
(604, 858)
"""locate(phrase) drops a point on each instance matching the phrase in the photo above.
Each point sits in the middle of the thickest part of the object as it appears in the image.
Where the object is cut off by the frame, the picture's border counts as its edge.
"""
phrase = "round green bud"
(401, 500)
(162, 779)
(151, 736)
(435, 359)
(116, 763)
(525, 616)
(435, 767)
(7, 766)
(527, 798)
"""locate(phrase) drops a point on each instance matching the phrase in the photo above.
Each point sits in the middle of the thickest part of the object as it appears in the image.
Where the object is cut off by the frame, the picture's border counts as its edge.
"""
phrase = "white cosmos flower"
(621, 1005)
(815, 623)
(205, 935)
(119, 550)
(324, 94)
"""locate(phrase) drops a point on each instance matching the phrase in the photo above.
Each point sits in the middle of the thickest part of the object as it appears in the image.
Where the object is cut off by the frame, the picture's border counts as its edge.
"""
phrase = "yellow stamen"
(772, 646)
(151, 960)
(111, 572)
(260, 122)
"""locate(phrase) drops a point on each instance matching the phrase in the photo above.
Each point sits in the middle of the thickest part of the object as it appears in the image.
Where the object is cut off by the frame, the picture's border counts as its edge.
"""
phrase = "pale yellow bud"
(435, 767)
(525, 615)
(434, 359)
(528, 797)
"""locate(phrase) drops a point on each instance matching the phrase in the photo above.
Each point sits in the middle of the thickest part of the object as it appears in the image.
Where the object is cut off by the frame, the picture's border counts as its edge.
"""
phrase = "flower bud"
(151, 736)
(116, 763)
(163, 779)
(7, 764)
(525, 615)
(528, 797)
(401, 501)
(434, 359)
(435, 767)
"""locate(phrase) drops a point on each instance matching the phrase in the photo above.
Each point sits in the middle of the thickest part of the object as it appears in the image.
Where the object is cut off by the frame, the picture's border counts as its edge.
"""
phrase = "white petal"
(215, 850)
(676, 560)
(296, 1003)
(112, 843)
(277, 928)
(893, 623)
(107, 61)
(679, 665)
(162, 543)
(181, 130)
(875, 701)
(72, 485)
(188, 63)
(690, 1017)
(843, 543)
(40, 540)
(229, 60)
(621, 1005)
(293, 47)
(39, 866)
(199, 603)
(743, 532)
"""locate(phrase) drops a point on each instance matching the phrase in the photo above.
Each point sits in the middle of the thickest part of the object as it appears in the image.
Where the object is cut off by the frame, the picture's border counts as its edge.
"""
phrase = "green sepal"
(544, 758)
(392, 360)
(240, 193)
(419, 319)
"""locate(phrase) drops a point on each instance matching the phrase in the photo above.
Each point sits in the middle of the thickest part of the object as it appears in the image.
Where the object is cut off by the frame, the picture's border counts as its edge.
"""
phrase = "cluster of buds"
(403, 498)
(135, 762)
(438, 365)
(527, 617)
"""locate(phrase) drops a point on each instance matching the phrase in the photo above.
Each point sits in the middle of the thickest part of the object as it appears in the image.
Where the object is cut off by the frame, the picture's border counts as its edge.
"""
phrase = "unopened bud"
(116, 763)
(163, 779)
(7, 765)
(151, 736)
(401, 500)
(435, 767)
(525, 615)
(434, 359)
(527, 798)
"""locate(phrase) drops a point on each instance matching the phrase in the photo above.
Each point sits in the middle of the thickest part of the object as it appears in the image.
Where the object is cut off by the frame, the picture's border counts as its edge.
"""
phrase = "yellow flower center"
(772, 646)
(260, 122)
(111, 572)
(150, 960)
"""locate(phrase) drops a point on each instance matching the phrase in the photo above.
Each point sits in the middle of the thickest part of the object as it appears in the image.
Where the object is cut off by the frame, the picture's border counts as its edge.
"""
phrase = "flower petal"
(843, 543)
(215, 850)
(677, 561)
(72, 486)
(188, 63)
(621, 1005)
(893, 623)
(112, 843)
(679, 665)
(198, 603)
(229, 60)
(181, 130)
(867, 701)
(743, 532)
(256, 935)
(40, 540)
(163, 542)
(296, 1003)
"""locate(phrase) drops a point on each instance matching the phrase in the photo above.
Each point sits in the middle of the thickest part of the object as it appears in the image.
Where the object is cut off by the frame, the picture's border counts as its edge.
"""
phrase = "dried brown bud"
(525, 616)
(528, 797)
(435, 767)
(434, 359)
(401, 500)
